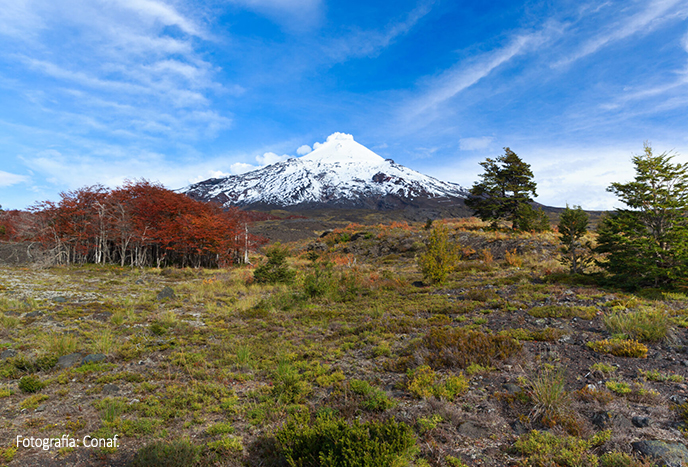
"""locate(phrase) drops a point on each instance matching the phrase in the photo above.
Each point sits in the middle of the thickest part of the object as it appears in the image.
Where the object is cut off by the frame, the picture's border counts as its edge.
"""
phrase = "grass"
(643, 325)
(551, 400)
(557, 311)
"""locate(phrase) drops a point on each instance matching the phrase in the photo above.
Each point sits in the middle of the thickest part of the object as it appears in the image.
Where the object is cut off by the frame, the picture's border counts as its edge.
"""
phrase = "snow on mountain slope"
(339, 172)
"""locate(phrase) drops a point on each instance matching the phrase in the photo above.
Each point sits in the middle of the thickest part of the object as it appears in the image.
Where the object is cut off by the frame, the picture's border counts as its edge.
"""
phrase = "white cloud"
(241, 167)
(464, 75)
(303, 150)
(295, 15)
(371, 42)
(9, 179)
(649, 19)
(128, 59)
(209, 174)
(271, 158)
(267, 158)
(161, 12)
(472, 144)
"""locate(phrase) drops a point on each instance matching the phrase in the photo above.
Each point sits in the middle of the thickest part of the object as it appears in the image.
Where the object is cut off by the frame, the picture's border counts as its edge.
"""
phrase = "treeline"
(138, 224)
(645, 244)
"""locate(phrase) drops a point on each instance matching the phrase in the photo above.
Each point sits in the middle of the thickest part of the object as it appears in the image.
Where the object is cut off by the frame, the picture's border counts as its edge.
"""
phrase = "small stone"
(684, 362)
(665, 454)
(8, 353)
(110, 389)
(139, 282)
(93, 358)
(166, 293)
(59, 300)
(68, 361)
(641, 422)
(601, 419)
(519, 428)
(512, 388)
(33, 314)
(473, 430)
(622, 423)
(103, 316)
(40, 408)
(677, 399)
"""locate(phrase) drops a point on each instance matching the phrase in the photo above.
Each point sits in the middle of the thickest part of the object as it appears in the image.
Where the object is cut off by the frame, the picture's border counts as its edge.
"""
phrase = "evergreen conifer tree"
(573, 225)
(647, 244)
(505, 193)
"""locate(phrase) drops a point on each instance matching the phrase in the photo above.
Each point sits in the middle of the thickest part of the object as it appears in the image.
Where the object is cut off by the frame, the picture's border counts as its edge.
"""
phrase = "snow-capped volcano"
(337, 173)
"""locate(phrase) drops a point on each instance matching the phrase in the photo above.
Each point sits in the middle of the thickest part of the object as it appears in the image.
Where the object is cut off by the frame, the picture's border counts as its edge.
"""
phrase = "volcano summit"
(339, 173)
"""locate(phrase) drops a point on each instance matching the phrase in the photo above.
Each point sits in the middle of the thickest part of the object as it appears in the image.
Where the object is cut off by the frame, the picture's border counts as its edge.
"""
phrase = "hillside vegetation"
(340, 353)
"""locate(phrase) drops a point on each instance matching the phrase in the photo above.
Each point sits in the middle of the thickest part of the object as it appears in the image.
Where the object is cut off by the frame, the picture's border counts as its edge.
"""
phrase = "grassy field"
(510, 362)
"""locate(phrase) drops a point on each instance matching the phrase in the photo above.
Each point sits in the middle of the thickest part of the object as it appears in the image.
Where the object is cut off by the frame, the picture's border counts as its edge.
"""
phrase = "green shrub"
(227, 445)
(540, 335)
(374, 399)
(288, 385)
(46, 362)
(618, 387)
(573, 225)
(31, 384)
(642, 325)
(319, 281)
(275, 269)
(619, 347)
(423, 383)
(441, 256)
(621, 459)
(177, 453)
(555, 311)
(545, 449)
(333, 442)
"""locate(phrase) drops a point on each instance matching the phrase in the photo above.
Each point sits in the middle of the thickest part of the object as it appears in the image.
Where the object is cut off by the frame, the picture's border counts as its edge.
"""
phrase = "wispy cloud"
(642, 22)
(372, 42)
(472, 144)
(129, 60)
(294, 15)
(9, 179)
(465, 74)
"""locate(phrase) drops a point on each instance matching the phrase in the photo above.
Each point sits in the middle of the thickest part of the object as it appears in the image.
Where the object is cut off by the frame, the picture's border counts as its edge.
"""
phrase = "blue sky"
(98, 91)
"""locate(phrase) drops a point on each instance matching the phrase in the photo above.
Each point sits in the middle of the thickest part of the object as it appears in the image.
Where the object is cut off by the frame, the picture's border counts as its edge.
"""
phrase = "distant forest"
(138, 224)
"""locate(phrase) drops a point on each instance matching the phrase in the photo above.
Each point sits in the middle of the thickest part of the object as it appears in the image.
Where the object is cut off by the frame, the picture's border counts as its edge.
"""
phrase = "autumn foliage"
(138, 224)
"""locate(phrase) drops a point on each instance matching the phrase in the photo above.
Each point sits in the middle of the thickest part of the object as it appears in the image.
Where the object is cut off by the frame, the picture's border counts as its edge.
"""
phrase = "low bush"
(334, 442)
(177, 453)
(545, 449)
(555, 311)
(31, 384)
(275, 270)
(374, 399)
(621, 459)
(540, 335)
(458, 347)
(424, 382)
(619, 347)
(441, 256)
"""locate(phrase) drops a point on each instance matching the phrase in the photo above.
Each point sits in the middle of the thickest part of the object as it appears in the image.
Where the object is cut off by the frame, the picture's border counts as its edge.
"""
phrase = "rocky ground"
(510, 362)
